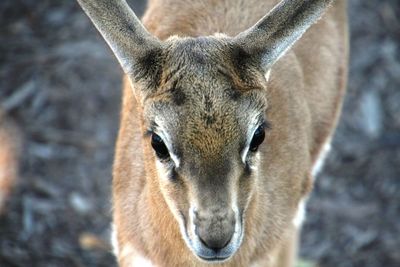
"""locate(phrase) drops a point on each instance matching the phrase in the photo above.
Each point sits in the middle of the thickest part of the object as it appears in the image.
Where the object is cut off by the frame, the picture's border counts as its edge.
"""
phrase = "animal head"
(204, 112)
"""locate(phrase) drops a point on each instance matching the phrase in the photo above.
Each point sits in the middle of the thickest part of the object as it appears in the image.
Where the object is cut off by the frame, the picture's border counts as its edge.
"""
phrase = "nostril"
(216, 244)
(214, 229)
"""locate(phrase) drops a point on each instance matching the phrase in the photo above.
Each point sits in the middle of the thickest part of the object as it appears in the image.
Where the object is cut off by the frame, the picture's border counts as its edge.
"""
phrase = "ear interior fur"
(277, 31)
(122, 31)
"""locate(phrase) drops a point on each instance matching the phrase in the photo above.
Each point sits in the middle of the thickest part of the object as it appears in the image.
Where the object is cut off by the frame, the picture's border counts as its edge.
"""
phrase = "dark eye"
(159, 146)
(258, 138)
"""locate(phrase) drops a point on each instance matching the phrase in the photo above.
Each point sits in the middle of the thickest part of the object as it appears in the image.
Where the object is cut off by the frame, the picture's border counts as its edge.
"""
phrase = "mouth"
(214, 259)
(206, 254)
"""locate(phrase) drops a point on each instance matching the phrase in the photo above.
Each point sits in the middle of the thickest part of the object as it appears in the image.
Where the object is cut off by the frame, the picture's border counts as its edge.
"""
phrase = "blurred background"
(60, 86)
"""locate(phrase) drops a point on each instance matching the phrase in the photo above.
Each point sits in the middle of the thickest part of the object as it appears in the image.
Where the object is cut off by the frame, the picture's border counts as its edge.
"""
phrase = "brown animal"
(9, 154)
(194, 183)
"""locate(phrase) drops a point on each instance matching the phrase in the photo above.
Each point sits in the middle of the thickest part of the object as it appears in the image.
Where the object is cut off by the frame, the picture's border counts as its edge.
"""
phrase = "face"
(205, 123)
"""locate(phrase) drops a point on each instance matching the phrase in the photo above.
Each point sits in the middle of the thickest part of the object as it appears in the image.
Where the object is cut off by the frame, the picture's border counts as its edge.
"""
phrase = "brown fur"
(9, 151)
(203, 92)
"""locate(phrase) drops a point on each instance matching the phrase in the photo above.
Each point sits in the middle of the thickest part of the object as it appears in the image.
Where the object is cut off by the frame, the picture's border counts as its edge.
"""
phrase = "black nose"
(216, 244)
(215, 229)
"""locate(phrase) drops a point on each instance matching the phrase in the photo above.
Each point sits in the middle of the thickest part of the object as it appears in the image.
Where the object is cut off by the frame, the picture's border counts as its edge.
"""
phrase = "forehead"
(208, 70)
(203, 92)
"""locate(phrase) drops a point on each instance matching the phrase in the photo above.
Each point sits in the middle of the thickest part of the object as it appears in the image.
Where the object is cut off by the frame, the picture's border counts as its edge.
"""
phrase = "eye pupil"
(159, 146)
(258, 138)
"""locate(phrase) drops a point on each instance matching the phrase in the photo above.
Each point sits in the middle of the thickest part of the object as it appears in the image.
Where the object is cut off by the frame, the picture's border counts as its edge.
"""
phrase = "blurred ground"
(60, 84)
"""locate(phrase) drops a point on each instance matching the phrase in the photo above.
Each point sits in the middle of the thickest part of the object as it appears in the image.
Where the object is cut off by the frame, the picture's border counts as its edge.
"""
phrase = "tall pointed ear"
(124, 33)
(277, 31)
